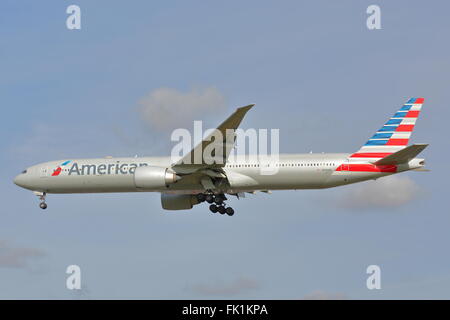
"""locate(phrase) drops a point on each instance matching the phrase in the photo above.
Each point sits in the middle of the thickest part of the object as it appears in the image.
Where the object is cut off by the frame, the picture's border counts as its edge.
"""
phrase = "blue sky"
(314, 71)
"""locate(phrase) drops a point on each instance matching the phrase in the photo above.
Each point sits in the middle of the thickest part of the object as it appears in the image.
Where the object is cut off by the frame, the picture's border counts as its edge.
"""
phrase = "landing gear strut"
(42, 196)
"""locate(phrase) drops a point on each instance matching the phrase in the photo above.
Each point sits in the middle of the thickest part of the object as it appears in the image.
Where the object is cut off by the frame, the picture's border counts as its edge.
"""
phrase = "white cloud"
(166, 108)
(15, 257)
(236, 287)
(392, 191)
(322, 295)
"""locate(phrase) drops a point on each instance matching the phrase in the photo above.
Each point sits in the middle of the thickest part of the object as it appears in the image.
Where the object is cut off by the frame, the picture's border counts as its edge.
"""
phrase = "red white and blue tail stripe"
(394, 135)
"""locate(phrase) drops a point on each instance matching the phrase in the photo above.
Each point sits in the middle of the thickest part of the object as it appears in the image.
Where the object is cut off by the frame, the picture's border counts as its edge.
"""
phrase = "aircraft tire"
(201, 197)
(209, 198)
(229, 211)
(221, 209)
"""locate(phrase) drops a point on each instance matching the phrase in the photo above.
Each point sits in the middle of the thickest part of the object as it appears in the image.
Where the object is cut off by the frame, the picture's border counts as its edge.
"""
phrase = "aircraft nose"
(19, 180)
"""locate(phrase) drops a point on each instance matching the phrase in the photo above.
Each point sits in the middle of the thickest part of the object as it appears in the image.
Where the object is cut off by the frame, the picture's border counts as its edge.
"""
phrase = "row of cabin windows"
(313, 164)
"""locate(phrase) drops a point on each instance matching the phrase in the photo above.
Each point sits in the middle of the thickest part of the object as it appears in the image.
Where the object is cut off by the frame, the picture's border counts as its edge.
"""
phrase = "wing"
(203, 164)
(214, 150)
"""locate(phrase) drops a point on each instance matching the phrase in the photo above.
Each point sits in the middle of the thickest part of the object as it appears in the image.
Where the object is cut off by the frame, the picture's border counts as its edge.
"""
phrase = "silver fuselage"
(104, 175)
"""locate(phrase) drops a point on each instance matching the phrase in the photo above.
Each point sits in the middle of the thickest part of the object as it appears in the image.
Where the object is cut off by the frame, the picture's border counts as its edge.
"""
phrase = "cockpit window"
(24, 171)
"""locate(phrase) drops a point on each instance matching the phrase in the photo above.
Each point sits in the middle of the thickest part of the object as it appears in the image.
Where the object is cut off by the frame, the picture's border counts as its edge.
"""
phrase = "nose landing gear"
(41, 196)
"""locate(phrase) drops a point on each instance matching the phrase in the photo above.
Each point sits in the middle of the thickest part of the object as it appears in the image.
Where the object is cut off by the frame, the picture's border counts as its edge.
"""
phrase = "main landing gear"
(217, 203)
(42, 196)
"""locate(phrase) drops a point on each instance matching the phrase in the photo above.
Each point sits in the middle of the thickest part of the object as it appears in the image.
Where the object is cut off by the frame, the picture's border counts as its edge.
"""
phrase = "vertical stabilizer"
(394, 135)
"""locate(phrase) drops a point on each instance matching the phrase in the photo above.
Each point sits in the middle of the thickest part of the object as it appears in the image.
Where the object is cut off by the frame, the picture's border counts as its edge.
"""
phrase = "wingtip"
(423, 145)
(246, 108)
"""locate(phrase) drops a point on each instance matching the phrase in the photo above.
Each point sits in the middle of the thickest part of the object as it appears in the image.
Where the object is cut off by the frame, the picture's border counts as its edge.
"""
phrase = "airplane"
(185, 183)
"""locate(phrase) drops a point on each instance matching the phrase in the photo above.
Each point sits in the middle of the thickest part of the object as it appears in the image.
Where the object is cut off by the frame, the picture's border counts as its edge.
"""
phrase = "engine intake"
(149, 177)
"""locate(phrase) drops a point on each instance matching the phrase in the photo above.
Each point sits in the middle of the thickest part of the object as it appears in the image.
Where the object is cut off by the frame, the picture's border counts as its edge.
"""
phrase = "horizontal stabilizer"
(402, 156)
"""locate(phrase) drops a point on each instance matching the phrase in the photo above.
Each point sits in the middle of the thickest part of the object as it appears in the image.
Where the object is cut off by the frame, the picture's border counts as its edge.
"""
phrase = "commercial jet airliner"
(187, 182)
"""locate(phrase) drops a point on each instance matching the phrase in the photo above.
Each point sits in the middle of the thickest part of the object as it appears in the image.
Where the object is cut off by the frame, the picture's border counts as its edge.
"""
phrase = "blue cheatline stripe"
(405, 108)
(412, 100)
(388, 128)
(400, 114)
(376, 142)
(394, 121)
(381, 135)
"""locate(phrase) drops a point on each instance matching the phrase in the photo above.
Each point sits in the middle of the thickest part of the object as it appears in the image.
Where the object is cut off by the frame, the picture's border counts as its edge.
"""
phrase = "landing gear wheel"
(201, 197)
(218, 200)
(209, 198)
(213, 208)
(41, 196)
(221, 209)
(229, 211)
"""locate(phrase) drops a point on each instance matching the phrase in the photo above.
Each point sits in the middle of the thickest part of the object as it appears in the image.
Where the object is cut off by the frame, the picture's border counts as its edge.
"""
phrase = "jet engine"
(178, 201)
(154, 178)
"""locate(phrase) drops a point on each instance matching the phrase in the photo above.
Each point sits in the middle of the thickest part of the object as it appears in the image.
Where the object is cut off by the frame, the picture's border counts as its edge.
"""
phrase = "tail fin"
(394, 135)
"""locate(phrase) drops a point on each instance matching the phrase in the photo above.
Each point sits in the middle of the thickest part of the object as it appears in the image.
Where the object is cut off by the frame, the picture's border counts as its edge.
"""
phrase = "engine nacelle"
(156, 178)
(178, 201)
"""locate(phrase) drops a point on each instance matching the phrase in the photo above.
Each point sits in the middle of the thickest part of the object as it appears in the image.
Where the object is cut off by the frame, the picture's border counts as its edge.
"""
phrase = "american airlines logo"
(104, 168)
(58, 170)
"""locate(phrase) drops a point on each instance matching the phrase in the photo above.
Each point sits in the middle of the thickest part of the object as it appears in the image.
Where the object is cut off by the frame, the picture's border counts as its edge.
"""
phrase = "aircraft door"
(345, 165)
